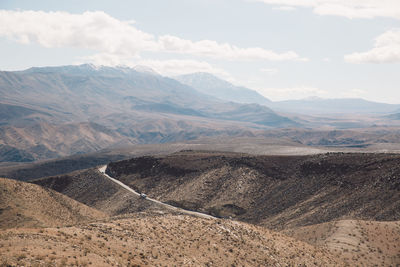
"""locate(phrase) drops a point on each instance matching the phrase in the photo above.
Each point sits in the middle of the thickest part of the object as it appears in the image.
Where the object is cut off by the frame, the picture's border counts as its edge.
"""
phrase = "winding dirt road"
(188, 212)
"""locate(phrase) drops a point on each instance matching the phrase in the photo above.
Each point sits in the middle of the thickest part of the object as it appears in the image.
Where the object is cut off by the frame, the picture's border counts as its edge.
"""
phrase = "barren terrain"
(28, 205)
(365, 243)
(333, 209)
(159, 240)
(275, 191)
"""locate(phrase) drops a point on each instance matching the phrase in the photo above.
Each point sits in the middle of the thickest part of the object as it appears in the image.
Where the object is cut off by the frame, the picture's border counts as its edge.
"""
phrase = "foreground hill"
(154, 239)
(365, 243)
(276, 191)
(305, 196)
(28, 205)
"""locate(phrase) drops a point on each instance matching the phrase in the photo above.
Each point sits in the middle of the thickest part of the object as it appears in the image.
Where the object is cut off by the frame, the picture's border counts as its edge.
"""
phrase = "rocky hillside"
(276, 191)
(154, 239)
(305, 196)
(28, 205)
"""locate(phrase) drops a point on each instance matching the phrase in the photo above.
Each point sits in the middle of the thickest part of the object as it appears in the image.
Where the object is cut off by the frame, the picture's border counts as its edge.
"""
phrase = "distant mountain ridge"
(211, 85)
(395, 116)
(316, 105)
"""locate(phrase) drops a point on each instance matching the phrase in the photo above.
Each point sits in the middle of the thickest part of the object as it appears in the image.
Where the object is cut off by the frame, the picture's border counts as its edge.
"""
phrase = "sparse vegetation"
(275, 191)
(256, 246)
(230, 186)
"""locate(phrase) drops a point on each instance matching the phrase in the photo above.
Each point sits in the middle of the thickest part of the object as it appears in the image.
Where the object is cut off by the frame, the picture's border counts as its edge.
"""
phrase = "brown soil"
(28, 205)
(365, 243)
(309, 197)
(159, 240)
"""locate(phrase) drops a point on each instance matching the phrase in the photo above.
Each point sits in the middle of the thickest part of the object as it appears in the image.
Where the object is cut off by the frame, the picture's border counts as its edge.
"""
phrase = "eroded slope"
(276, 191)
(28, 205)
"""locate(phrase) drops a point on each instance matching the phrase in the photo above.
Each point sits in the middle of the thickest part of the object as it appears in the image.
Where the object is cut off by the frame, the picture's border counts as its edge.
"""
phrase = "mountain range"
(87, 92)
(57, 111)
(316, 105)
(49, 112)
(214, 86)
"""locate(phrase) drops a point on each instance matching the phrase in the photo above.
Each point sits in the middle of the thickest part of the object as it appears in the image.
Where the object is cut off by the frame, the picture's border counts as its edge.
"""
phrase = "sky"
(284, 49)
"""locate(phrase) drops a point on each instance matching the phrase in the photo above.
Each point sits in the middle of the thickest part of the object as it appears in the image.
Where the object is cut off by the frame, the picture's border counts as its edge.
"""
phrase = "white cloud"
(269, 71)
(212, 49)
(107, 59)
(115, 40)
(177, 67)
(345, 8)
(90, 30)
(298, 92)
(284, 8)
(171, 67)
(353, 93)
(386, 50)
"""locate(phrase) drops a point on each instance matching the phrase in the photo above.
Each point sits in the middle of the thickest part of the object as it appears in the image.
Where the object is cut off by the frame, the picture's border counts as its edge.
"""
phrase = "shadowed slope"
(93, 189)
(276, 191)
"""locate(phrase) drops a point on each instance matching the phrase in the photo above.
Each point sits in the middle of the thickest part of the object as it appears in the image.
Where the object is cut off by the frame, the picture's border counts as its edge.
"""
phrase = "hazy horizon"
(306, 98)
